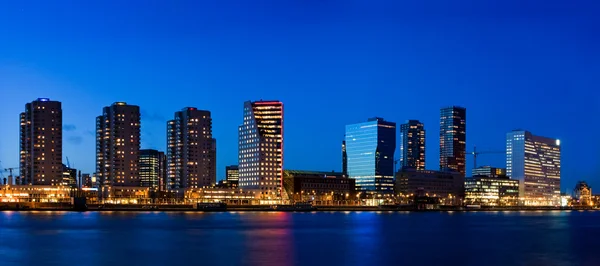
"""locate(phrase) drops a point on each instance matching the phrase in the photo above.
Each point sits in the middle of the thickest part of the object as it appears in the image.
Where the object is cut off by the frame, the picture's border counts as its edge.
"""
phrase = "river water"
(318, 238)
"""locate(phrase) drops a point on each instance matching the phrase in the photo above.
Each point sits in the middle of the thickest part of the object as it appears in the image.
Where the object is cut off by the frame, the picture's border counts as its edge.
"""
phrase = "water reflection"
(271, 243)
(323, 238)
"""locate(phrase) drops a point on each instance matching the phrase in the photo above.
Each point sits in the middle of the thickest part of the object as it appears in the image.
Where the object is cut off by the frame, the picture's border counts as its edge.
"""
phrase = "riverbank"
(261, 208)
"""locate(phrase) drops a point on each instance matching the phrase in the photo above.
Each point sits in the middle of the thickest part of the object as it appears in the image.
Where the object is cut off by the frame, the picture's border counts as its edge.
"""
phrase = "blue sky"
(532, 65)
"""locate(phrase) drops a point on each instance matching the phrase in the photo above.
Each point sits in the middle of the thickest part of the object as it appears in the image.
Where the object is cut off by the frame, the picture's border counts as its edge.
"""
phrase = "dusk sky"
(532, 65)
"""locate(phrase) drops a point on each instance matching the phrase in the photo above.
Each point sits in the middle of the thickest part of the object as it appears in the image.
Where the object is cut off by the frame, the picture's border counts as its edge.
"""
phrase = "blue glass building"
(370, 150)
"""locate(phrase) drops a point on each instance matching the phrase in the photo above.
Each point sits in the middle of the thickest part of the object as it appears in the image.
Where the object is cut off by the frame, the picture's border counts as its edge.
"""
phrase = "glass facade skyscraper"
(453, 139)
(535, 162)
(260, 149)
(370, 150)
(412, 145)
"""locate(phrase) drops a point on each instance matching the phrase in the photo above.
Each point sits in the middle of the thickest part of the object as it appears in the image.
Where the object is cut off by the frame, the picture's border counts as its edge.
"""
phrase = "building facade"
(318, 186)
(370, 150)
(453, 139)
(153, 168)
(444, 185)
(118, 145)
(583, 194)
(344, 159)
(41, 143)
(260, 157)
(491, 191)
(232, 173)
(35, 194)
(69, 177)
(86, 181)
(489, 171)
(535, 162)
(227, 195)
(191, 150)
(412, 145)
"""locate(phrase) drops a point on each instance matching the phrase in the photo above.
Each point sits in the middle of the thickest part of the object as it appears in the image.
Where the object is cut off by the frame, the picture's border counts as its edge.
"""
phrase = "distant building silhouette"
(86, 180)
(344, 159)
(583, 193)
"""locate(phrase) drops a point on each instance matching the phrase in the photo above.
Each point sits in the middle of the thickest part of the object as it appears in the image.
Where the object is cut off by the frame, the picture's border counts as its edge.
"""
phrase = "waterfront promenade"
(270, 208)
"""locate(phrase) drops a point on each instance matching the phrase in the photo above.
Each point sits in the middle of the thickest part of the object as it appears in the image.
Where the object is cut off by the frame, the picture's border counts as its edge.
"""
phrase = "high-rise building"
(370, 149)
(412, 145)
(118, 145)
(535, 162)
(261, 148)
(232, 173)
(489, 171)
(153, 170)
(344, 159)
(453, 139)
(41, 143)
(191, 150)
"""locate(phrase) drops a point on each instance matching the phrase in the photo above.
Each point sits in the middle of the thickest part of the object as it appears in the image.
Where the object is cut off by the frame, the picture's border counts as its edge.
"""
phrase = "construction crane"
(10, 171)
(475, 153)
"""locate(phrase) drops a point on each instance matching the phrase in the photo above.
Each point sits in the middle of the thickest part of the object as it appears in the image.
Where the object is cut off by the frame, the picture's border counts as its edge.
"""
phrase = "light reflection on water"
(316, 238)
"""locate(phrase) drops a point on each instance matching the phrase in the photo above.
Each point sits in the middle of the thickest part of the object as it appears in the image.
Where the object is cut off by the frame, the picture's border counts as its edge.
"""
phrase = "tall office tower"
(344, 159)
(453, 139)
(412, 145)
(370, 150)
(535, 162)
(152, 166)
(118, 145)
(191, 150)
(232, 173)
(41, 143)
(261, 148)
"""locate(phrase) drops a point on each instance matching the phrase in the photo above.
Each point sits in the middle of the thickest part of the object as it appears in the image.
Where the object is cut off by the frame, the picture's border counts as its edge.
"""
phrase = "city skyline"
(459, 72)
(398, 131)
